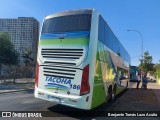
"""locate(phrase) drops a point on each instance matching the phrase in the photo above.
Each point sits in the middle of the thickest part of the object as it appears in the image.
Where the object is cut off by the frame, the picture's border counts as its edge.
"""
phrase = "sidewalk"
(19, 85)
(155, 87)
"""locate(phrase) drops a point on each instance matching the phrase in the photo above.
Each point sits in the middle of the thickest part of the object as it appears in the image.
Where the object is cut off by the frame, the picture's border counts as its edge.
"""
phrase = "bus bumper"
(75, 101)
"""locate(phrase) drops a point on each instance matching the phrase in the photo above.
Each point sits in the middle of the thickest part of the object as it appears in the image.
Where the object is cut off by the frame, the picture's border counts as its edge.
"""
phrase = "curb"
(16, 91)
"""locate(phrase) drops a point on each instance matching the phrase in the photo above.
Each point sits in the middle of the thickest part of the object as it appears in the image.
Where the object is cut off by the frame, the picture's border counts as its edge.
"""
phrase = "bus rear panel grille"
(61, 54)
(59, 72)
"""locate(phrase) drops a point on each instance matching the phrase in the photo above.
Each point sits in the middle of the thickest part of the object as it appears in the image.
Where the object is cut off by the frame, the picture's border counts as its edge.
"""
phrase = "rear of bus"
(62, 70)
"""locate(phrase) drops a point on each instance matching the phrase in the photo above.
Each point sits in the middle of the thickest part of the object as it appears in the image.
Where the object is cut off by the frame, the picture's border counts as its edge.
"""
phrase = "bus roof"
(70, 12)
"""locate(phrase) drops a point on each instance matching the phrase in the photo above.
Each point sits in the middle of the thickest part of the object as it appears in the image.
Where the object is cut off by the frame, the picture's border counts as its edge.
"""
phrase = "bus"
(133, 72)
(79, 60)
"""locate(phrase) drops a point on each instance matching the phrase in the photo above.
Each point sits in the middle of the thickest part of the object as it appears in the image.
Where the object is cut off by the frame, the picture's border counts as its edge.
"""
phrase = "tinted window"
(68, 23)
(107, 37)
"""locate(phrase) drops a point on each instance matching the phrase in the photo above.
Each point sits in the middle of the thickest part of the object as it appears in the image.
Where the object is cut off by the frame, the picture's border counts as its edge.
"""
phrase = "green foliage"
(28, 58)
(8, 55)
(157, 70)
(146, 64)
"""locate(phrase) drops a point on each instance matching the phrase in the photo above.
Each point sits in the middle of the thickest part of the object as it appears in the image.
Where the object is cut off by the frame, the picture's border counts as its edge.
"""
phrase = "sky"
(121, 15)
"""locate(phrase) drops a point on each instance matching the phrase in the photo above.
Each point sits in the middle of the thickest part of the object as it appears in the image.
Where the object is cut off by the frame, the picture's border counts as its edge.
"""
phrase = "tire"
(114, 94)
(109, 99)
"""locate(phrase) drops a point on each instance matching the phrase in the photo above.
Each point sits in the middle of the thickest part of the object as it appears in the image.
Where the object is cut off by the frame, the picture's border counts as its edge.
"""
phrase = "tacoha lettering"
(58, 80)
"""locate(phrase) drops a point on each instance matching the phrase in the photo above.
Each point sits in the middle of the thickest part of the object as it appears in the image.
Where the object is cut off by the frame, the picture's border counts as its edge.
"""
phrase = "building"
(24, 32)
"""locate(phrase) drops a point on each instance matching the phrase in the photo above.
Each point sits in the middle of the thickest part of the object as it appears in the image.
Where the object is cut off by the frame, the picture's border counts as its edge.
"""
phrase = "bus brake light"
(37, 74)
(85, 87)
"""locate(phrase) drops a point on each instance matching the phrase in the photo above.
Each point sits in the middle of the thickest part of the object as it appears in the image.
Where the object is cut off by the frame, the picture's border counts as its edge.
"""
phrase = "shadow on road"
(138, 100)
(65, 111)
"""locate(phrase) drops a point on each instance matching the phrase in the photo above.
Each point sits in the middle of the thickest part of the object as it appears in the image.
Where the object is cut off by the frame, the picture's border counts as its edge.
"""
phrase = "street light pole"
(157, 75)
(141, 39)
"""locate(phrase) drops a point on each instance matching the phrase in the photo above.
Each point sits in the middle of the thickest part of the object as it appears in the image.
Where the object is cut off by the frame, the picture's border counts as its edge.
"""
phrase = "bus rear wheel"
(109, 99)
(114, 94)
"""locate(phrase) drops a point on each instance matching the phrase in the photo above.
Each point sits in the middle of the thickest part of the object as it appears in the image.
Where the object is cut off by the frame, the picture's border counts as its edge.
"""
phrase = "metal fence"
(15, 73)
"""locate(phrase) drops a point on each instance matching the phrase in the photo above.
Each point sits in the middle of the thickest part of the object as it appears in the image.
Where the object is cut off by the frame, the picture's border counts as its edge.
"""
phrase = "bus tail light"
(37, 74)
(85, 87)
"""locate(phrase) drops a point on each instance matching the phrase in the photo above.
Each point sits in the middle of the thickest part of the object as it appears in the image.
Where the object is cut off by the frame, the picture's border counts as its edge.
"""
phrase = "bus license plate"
(54, 99)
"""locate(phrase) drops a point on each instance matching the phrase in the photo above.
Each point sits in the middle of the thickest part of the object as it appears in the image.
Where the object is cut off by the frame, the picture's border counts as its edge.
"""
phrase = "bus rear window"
(69, 23)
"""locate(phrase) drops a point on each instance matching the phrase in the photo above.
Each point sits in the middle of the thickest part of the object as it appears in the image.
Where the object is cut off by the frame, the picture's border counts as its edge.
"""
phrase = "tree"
(157, 70)
(29, 63)
(8, 55)
(146, 64)
(28, 58)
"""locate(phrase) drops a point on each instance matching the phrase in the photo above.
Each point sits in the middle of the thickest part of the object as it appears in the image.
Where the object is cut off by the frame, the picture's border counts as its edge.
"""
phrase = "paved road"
(131, 100)
(22, 101)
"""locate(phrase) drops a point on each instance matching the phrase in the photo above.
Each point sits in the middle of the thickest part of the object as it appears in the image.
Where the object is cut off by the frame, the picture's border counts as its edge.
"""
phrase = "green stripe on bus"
(98, 90)
(99, 96)
(66, 41)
